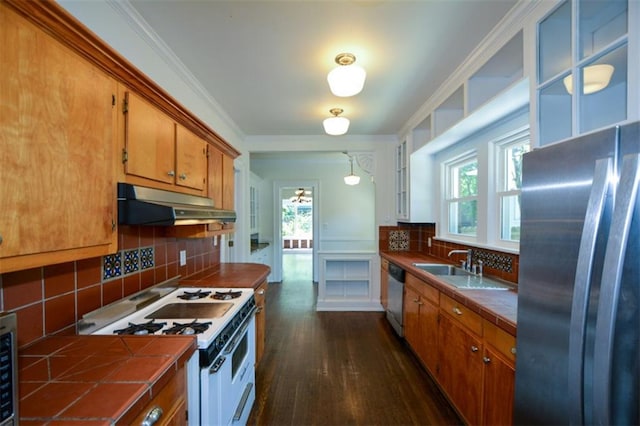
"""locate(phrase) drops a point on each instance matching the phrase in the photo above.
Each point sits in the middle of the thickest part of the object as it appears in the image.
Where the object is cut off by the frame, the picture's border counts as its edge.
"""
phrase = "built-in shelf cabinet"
(347, 282)
(573, 40)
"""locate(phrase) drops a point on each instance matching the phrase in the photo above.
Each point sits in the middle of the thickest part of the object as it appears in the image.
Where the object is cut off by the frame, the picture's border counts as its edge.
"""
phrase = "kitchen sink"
(460, 278)
(441, 269)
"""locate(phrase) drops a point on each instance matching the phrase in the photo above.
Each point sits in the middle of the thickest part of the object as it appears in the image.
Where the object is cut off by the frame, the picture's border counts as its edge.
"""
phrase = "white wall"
(346, 213)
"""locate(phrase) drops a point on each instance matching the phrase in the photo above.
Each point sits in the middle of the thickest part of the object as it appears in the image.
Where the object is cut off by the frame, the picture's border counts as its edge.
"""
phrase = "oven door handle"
(239, 334)
(243, 402)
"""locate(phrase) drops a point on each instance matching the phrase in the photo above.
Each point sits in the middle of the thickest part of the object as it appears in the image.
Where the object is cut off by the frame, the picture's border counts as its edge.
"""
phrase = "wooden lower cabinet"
(499, 387)
(172, 402)
(421, 321)
(384, 283)
(260, 296)
(461, 368)
(471, 358)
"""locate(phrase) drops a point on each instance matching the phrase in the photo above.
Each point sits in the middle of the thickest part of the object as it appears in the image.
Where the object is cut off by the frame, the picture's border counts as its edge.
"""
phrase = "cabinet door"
(260, 296)
(191, 159)
(428, 348)
(461, 365)
(57, 131)
(384, 284)
(411, 317)
(149, 141)
(499, 387)
(228, 183)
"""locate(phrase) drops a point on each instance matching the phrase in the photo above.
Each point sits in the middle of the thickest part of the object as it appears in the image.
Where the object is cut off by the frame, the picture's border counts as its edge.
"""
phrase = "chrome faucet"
(466, 265)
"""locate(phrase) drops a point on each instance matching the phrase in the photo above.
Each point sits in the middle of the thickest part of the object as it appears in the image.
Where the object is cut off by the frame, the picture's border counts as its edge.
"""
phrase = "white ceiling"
(265, 62)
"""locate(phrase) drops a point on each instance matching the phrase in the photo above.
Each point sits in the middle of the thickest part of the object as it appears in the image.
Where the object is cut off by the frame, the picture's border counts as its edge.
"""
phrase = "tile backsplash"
(51, 299)
(422, 238)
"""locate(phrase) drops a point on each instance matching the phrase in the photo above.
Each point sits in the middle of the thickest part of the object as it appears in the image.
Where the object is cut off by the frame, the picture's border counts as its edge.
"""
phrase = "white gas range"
(221, 378)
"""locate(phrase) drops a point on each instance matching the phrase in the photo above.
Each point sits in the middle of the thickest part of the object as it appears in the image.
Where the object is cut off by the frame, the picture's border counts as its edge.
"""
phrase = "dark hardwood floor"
(337, 368)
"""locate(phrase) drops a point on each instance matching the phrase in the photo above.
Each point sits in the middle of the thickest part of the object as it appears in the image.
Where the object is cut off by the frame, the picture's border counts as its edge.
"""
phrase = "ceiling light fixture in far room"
(301, 196)
(595, 78)
(351, 179)
(346, 79)
(335, 125)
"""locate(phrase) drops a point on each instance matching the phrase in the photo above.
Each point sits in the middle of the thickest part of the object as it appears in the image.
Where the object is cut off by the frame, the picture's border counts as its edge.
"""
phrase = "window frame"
(500, 188)
(448, 198)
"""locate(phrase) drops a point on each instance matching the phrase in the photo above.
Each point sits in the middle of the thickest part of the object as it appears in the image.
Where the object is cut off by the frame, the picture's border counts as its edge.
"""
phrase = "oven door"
(227, 386)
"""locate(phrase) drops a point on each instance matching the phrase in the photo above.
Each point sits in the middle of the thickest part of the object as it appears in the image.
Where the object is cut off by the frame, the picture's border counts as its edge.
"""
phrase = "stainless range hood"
(138, 205)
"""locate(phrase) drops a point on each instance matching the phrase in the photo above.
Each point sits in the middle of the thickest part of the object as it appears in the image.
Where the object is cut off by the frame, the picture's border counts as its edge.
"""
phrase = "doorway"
(296, 227)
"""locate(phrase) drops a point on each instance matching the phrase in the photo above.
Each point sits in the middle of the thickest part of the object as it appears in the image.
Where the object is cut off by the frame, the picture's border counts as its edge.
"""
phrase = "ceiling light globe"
(352, 179)
(594, 79)
(346, 80)
(336, 126)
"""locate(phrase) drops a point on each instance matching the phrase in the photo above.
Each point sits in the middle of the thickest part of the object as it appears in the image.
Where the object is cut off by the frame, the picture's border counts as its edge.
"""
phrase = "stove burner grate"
(193, 327)
(226, 295)
(194, 295)
(141, 329)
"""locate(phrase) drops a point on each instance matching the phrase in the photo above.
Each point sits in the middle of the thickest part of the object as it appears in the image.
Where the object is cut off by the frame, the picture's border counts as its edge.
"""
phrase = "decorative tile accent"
(398, 240)
(146, 258)
(131, 261)
(501, 262)
(111, 266)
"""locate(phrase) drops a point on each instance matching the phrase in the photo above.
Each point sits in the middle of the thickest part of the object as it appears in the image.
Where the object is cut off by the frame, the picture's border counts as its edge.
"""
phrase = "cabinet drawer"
(462, 314)
(425, 290)
(171, 400)
(502, 341)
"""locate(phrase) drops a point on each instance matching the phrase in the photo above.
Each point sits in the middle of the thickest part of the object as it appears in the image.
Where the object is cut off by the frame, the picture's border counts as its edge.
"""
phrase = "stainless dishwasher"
(394, 298)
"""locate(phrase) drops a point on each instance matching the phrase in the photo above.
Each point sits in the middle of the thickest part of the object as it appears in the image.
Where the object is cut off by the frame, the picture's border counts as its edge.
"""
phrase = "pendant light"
(351, 179)
(335, 125)
(347, 79)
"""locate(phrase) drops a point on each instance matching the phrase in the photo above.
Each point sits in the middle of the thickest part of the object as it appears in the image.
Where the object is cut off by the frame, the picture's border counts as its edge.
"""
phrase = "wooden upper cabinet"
(57, 128)
(228, 179)
(191, 159)
(149, 141)
(220, 184)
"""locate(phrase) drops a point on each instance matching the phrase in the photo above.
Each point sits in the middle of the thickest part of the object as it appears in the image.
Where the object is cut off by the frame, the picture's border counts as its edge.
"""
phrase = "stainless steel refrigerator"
(578, 354)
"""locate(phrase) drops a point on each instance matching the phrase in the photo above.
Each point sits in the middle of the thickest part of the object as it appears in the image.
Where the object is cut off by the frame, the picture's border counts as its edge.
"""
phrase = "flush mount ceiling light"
(595, 78)
(347, 79)
(351, 179)
(335, 125)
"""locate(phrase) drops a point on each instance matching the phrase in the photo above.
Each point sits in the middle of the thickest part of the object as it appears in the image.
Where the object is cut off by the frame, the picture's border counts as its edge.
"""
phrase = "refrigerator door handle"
(581, 288)
(625, 201)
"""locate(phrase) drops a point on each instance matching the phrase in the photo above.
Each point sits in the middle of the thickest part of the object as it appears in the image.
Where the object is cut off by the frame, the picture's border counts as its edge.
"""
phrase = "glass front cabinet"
(583, 68)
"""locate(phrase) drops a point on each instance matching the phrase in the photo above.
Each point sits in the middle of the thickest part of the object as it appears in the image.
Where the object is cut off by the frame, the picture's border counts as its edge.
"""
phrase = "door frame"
(278, 187)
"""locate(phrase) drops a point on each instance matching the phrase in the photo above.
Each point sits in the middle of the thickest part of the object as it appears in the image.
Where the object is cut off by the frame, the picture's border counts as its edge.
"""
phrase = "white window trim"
(498, 146)
(446, 201)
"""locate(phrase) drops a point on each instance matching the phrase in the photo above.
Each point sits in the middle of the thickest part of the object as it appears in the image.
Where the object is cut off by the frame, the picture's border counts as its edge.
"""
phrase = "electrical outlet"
(215, 240)
(429, 241)
(183, 257)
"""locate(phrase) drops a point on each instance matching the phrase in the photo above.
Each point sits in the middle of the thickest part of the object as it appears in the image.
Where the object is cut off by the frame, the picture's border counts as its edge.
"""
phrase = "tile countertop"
(498, 306)
(231, 275)
(96, 380)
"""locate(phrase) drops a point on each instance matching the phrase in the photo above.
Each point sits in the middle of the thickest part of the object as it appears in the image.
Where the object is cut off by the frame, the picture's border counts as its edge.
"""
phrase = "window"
(462, 196)
(509, 183)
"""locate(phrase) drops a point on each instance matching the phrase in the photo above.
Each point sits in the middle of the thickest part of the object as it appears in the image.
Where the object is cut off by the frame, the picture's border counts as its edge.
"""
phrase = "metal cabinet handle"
(171, 173)
(152, 417)
(416, 300)
(261, 291)
(513, 350)
(457, 311)
(474, 349)
(183, 176)
(486, 359)
(258, 310)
